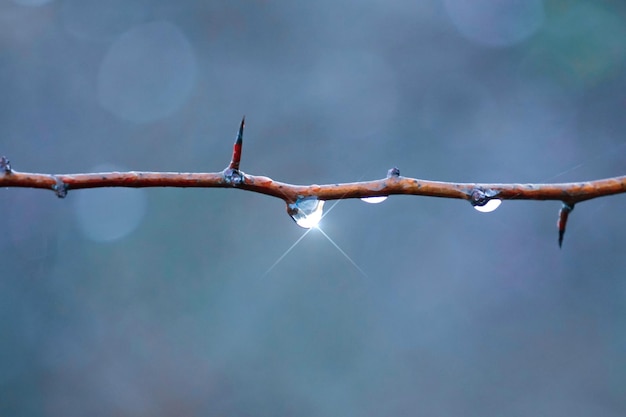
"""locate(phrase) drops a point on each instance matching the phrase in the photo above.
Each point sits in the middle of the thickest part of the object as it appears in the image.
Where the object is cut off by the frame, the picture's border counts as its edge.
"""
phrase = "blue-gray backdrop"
(170, 301)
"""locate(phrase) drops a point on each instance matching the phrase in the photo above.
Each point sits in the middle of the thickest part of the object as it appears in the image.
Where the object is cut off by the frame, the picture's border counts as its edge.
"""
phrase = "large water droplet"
(307, 212)
(374, 200)
(490, 206)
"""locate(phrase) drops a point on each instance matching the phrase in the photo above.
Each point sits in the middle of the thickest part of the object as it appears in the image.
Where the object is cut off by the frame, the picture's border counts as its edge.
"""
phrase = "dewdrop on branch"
(392, 173)
(483, 200)
(489, 206)
(306, 212)
(374, 200)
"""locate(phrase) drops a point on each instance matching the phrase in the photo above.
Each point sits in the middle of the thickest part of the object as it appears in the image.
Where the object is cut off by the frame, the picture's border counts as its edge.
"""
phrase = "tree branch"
(476, 193)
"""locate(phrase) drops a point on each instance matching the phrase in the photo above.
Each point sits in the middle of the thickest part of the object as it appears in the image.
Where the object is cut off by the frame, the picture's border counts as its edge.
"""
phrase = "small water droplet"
(374, 200)
(490, 206)
(306, 212)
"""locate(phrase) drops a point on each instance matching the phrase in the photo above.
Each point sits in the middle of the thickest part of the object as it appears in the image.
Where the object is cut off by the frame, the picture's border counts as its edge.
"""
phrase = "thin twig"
(394, 184)
(569, 193)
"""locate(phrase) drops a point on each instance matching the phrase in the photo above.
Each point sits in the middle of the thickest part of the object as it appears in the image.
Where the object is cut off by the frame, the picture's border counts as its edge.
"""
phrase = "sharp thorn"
(562, 221)
(234, 162)
(240, 133)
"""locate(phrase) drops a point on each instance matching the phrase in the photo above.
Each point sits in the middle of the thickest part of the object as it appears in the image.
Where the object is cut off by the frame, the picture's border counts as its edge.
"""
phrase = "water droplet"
(306, 212)
(490, 206)
(374, 200)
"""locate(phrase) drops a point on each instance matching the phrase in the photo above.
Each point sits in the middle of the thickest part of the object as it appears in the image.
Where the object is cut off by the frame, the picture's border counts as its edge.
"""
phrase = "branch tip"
(561, 223)
(5, 165)
(393, 172)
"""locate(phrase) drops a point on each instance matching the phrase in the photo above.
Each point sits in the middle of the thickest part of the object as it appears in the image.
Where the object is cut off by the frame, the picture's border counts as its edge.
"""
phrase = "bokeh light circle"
(359, 85)
(109, 214)
(98, 20)
(585, 41)
(31, 2)
(496, 23)
(148, 73)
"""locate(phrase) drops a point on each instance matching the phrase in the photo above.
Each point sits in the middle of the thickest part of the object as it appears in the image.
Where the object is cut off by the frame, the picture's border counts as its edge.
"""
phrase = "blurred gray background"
(160, 302)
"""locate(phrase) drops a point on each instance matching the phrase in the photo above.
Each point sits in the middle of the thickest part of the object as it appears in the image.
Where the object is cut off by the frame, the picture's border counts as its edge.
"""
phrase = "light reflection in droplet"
(374, 200)
(490, 206)
(307, 212)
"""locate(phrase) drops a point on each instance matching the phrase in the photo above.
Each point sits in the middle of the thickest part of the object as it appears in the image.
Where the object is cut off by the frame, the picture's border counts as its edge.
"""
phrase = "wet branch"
(393, 184)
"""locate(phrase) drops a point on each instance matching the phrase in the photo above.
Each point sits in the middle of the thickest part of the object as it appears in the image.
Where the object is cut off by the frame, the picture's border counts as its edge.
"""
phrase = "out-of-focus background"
(164, 302)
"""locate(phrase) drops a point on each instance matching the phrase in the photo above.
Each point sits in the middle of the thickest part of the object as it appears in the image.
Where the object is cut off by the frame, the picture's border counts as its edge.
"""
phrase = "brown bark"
(570, 193)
